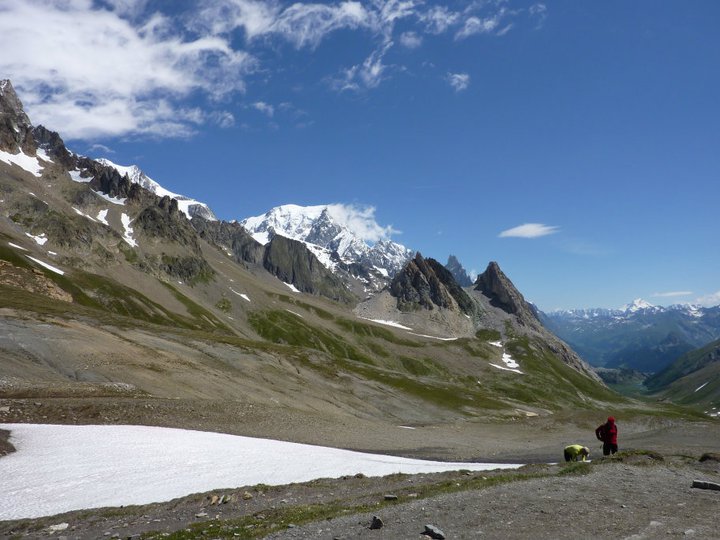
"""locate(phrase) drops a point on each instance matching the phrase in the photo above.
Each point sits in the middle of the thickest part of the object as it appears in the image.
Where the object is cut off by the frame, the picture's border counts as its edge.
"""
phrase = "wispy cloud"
(670, 294)
(100, 148)
(529, 230)
(264, 108)
(539, 13)
(410, 40)
(709, 300)
(224, 119)
(459, 81)
(363, 76)
(361, 220)
(438, 19)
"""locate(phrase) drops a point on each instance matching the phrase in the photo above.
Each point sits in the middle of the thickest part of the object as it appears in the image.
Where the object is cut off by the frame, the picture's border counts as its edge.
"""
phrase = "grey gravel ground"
(614, 501)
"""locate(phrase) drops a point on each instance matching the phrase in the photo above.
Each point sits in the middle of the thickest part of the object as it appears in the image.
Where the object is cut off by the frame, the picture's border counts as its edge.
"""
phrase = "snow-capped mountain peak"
(190, 207)
(636, 305)
(337, 228)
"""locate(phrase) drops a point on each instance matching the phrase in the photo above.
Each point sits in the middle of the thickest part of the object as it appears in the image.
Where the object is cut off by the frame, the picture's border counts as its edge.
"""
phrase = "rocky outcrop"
(53, 144)
(292, 262)
(501, 292)
(458, 272)
(15, 128)
(190, 269)
(230, 236)
(426, 284)
(164, 221)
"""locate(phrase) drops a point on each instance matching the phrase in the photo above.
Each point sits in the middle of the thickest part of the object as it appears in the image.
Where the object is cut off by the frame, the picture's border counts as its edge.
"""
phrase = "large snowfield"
(61, 468)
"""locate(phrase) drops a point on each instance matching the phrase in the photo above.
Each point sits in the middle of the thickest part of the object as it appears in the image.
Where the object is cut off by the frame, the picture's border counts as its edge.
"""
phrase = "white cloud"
(709, 300)
(224, 119)
(307, 24)
(302, 24)
(459, 81)
(670, 294)
(89, 72)
(369, 74)
(438, 19)
(539, 12)
(410, 40)
(109, 68)
(478, 25)
(100, 148)
(264, 108)
(529, 230)
(361, 221)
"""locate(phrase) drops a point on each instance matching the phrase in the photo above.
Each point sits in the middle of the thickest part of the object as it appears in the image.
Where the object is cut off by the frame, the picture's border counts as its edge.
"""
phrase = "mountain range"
(638, 336)
(114, 286)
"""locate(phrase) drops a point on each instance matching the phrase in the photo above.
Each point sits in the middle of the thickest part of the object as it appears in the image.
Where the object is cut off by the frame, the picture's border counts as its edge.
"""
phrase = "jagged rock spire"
(458, 271)
(15, 128)
(494, 284)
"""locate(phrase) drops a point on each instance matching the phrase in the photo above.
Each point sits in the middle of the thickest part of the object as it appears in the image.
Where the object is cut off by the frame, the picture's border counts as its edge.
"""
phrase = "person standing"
(607, 433)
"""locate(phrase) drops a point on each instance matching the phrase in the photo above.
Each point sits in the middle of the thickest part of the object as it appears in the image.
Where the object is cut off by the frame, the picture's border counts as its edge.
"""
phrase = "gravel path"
(616, 500)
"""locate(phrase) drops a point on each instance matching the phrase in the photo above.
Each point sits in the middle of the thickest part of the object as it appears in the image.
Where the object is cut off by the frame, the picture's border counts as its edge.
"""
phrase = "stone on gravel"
(58, 527)
(376, 523)
(701, 484)
(390, 497)
(433, 532)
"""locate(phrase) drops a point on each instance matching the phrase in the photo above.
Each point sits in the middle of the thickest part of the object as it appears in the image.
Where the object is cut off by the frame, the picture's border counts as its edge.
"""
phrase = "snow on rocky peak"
(188, 206)
(327, 227)
(637, 305)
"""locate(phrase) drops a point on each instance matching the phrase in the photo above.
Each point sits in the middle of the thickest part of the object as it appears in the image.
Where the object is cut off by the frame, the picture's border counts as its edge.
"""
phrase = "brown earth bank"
(645, 492)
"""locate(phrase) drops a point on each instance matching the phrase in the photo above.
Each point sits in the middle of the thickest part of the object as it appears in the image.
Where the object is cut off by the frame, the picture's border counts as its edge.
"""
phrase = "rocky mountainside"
(426, 284)
(135, 297)
(190, 207)
(638, 336)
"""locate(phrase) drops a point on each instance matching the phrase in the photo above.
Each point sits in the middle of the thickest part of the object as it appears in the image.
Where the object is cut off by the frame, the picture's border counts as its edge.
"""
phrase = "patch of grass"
(486, 334)
(554, 382)
(326, 315)
(224, 305)
(128, 252)
(369, 330)
(286, 328)
(204, 318)
(445, 394)
(576, 468)
(639, 457)
(377, 349)
(421, 366)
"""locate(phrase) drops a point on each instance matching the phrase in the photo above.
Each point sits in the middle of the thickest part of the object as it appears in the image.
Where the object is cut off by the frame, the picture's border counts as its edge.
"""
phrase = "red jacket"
(607, 433)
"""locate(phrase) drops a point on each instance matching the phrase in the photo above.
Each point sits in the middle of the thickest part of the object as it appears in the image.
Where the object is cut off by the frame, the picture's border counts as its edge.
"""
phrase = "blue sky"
(599, 122)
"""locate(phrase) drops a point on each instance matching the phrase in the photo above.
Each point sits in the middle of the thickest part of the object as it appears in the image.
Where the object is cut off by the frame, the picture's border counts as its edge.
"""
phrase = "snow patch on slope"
(127, 230)
(62, 468)
(25, 162)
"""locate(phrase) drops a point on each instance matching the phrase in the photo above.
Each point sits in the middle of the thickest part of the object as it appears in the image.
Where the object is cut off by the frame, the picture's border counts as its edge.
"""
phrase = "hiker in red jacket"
(607, 433)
